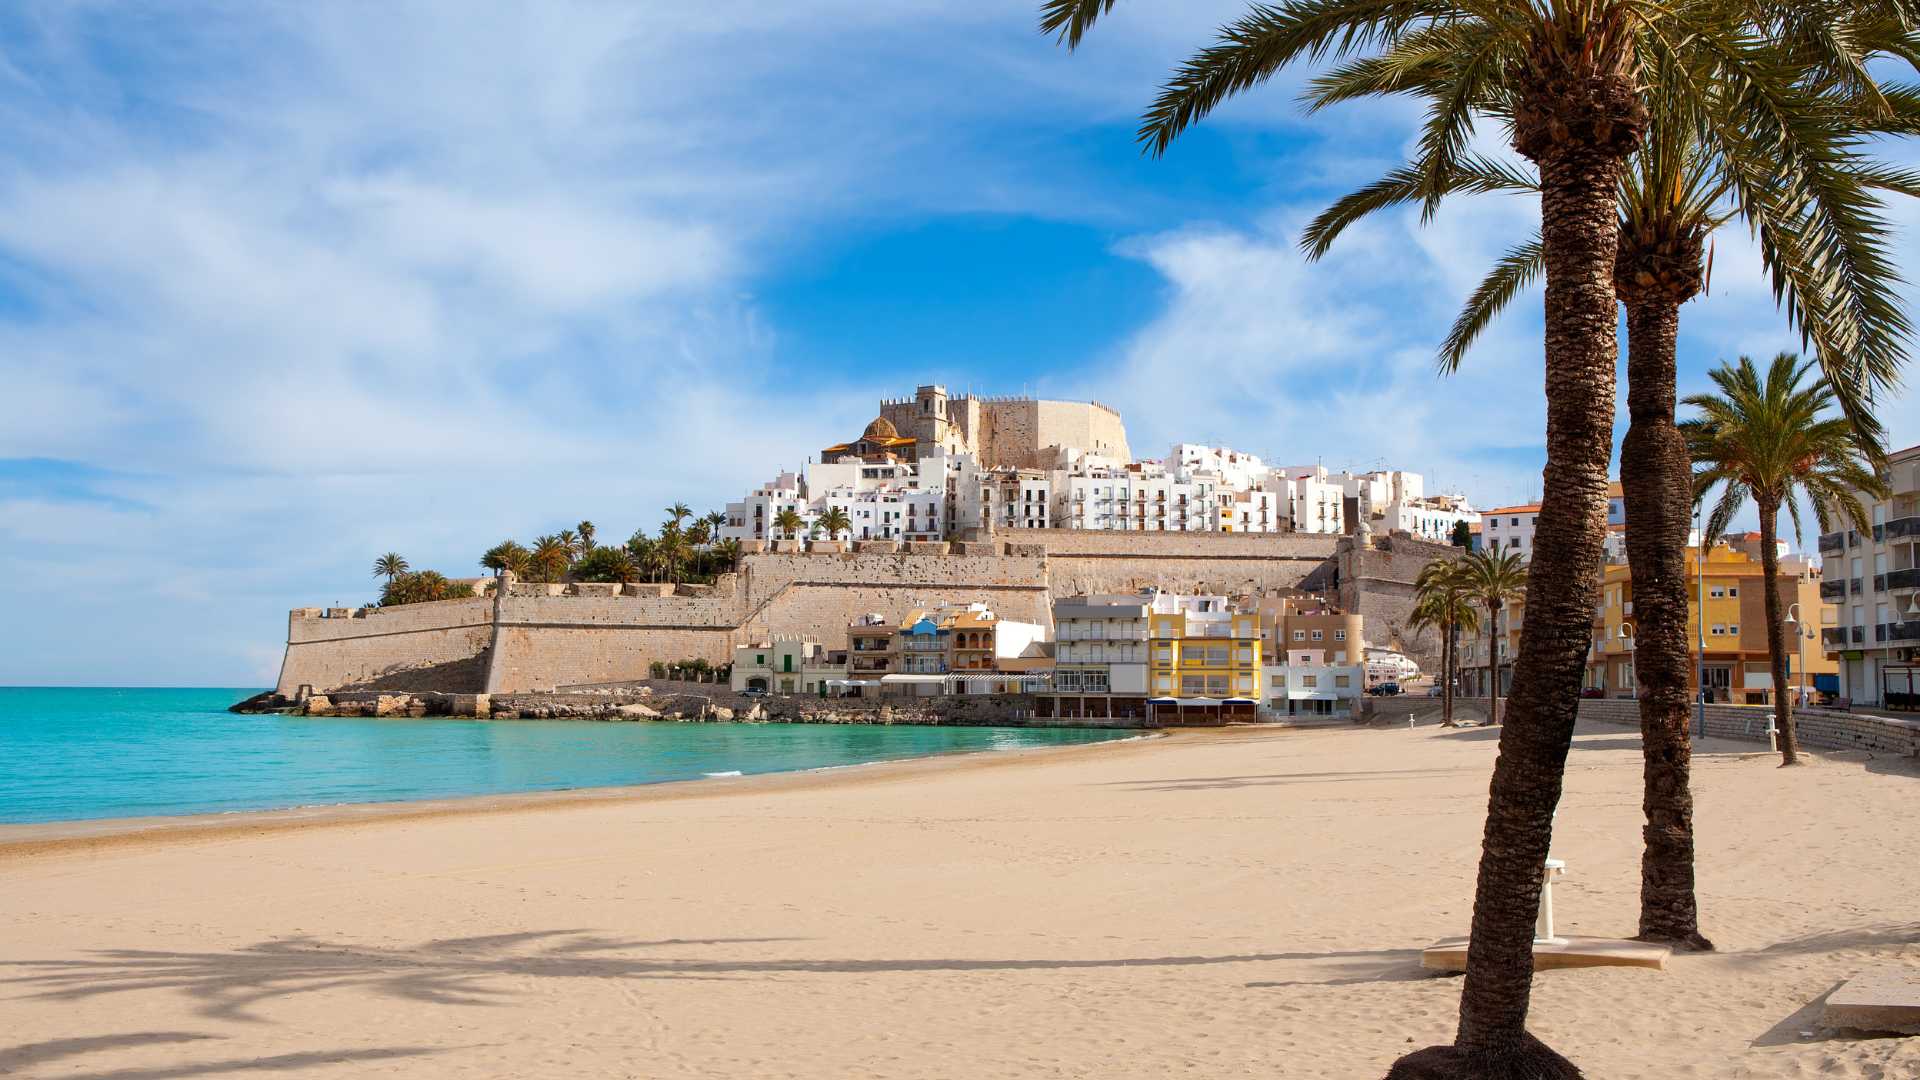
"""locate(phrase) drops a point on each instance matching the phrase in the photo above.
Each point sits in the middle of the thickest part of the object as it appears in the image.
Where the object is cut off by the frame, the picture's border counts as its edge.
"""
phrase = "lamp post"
(1801, 634)
(1700, 659)
(1626, 645)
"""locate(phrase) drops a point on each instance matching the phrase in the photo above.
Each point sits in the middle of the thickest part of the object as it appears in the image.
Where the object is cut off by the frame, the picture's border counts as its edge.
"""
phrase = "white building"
(1100, 645)
(1873, 574)
(786, 666)
(1509, 528)
(1312, 681)
(1309, 500)
(1429, 518)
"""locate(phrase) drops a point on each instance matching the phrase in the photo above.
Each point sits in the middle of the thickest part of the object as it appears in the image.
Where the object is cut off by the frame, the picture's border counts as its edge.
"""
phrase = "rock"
(318, 705)
(755, 714)
(637, 712)
(722, 713)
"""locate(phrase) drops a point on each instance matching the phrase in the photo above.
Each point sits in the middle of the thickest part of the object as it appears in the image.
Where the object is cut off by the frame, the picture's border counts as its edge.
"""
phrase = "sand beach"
(1244, 902)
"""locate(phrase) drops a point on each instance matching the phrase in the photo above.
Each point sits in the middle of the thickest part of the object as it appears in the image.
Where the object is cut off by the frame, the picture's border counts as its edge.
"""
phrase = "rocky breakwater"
(688, 703)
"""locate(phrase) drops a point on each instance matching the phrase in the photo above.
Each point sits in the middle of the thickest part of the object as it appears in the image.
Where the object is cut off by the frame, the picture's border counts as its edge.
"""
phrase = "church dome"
(881, 428)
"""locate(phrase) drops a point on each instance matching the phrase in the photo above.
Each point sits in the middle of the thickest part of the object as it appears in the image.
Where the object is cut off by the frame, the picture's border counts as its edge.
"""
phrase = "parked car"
(754, 691)
(1593, 692)
(1385, 689)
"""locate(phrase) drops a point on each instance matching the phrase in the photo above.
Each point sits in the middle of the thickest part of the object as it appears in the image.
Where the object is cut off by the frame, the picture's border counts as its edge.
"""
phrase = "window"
(1279, 682)
(1339, 656)
(1343, 681)
(1299, 635)
(1339, 635)
(1733, 591)
(1319, 635)
(1193, 685)
(1733, 629)
(1716, 591)
(1309, 680)
(1718, 630)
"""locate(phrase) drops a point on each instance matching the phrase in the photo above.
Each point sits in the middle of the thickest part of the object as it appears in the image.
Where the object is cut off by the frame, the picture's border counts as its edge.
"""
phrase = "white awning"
(895, 680)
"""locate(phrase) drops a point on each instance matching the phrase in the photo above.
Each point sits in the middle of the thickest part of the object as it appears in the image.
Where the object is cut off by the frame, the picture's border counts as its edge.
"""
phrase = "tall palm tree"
(1492, 579)
(507, 557)
(389, 566)
(678, 513)
(1561, 75)
(671, 550)
(1441, 602)
(788, 521)
(728, 551)
(698, 534)
(1699, 167)
(584, 531)
(645, 553)
(550, 558)
(716, 520)
(836, 521)
(1775, 442)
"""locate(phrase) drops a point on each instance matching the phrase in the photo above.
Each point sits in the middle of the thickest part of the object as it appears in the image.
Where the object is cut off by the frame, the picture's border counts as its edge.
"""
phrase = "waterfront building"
(1314, 658)
(1872, 575)
(787, 666)
(1100, 648)
(869, 649)
(956, 648)
(1204, 658)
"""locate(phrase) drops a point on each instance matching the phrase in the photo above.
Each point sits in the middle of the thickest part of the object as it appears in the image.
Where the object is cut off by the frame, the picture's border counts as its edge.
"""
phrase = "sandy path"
(1240, 903)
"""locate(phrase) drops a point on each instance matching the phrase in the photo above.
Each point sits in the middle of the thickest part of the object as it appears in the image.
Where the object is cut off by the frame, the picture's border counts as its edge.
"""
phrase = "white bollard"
(1543, 926)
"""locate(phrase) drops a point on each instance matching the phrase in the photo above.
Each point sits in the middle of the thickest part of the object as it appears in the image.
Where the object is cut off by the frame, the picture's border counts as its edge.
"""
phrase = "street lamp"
(1801, 635)
(1626, 643)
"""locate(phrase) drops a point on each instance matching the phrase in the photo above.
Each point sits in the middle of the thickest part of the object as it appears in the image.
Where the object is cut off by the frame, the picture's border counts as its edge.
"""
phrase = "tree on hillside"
(728, 551)
(835, 521)
(1569, 73)
(508, 556)
(549, 559)
(422, 587)
(389, 566)
(1775, 442)
(788, 521)
(607, 564)
(1462, 535)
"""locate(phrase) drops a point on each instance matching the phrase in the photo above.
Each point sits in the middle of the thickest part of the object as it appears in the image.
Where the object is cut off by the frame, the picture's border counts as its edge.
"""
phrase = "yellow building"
(1737, 667)
(1203, 657)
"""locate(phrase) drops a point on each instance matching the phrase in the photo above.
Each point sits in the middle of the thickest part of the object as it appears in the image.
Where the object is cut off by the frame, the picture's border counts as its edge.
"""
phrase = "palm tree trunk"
(1446, 674)
(1656, 480)
(1493, 663)
(1776, 634)
(1578, 127)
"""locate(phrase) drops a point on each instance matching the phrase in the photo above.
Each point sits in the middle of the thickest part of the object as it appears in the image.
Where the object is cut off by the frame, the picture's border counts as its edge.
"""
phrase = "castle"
(997, 432)
(528, 636)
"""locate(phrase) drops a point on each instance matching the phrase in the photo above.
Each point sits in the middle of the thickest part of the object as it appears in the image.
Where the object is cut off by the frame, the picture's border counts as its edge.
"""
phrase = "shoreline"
(86, 835)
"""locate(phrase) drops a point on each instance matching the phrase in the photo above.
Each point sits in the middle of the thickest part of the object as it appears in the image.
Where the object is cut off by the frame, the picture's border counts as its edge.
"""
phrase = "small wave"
(730, 772)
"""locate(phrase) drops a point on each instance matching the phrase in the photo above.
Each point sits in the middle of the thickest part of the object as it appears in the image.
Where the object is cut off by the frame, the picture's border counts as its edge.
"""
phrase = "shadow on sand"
(467, 971)
(16, 1058)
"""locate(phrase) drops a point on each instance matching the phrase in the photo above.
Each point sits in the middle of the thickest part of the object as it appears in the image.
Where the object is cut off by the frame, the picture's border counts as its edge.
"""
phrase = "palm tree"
(728, 551)
(671, 550)
(645, 553)
(549, 558)
(389, 566)
(1492, 579)
(1698, 168)
(1564, 77)
(698, 534)
(788, 521)
(1775, 442)
(836, 521)
(570, 542)
(716, 521)
(1441, 602)
(507, 557)
(678, 513)
(584, 531)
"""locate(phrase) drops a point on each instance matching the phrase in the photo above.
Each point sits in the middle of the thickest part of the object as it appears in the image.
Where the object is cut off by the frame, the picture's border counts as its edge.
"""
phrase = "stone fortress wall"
(529, 638)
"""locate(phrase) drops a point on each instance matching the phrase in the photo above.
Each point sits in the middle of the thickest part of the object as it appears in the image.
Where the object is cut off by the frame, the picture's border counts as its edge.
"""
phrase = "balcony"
(1857, 586)
(1833, 590)
(1899, 529)
(1833, 636)
(1833, 543)
(1897, 579)
(1898, 632)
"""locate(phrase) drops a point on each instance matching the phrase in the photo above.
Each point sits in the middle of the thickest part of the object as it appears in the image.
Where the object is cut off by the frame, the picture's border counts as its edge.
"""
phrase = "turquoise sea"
(68, 754)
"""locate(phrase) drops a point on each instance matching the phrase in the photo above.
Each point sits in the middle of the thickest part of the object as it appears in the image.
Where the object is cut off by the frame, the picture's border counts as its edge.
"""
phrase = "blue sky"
(284, 286)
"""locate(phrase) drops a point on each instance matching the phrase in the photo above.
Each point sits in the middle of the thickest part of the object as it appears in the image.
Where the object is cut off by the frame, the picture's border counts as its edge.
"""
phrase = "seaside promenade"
(1227, 903)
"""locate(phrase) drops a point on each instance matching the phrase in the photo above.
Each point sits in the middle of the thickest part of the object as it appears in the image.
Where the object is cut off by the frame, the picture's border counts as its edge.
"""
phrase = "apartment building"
(1314, 660)
(1099, 657)
(1204, 659)
(1872, 575)
(1737, 668)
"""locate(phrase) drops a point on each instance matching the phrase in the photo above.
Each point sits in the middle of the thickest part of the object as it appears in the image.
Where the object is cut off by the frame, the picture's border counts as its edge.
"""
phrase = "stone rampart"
(372, 643)
(539, 636)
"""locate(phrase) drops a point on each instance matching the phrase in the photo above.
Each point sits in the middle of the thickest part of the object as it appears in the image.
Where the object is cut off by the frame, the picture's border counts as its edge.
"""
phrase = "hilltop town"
(1015, 548)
